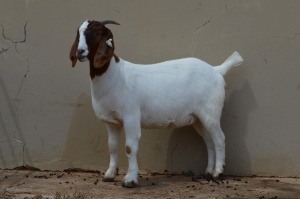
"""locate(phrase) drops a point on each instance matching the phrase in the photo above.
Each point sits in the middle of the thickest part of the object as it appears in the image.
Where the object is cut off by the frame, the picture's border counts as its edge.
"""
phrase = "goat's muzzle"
(82, 55)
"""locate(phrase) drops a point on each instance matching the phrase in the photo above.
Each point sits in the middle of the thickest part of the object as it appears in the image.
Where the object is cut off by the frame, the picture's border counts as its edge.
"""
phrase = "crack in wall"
(172, 154)
(18, 52)
(24, 78)
(12, 41)
(18, 129)
(3, 50)
(192, 46)
(198, 29)
(204, 24)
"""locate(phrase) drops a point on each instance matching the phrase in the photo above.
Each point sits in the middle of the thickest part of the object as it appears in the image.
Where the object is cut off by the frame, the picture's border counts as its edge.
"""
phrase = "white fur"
(82, 41)
(168, 94)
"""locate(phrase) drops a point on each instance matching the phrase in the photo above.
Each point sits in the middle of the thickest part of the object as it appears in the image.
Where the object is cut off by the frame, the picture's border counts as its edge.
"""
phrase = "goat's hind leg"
(114, 133)
(218, 139)
(211, 122)
(210, 115)
(209, 145)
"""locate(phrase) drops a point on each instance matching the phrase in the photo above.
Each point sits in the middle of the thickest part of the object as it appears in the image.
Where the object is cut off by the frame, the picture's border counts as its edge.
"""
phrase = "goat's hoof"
(130, 180)
(130, 184)
(216, 173)
(209, 171)
(208, 177)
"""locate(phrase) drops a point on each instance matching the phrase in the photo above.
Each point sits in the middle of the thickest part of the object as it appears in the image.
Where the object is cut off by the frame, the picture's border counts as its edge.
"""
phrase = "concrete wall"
(46, 118)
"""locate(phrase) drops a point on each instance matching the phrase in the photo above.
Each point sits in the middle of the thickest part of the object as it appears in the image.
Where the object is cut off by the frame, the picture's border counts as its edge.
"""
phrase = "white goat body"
(168, 94)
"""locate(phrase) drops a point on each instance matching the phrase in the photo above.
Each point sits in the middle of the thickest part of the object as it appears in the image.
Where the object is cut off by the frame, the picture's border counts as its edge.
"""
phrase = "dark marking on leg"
(128, 150)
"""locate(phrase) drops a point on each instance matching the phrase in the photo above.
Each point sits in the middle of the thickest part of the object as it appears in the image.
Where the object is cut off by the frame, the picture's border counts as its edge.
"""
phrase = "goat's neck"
(100, 71)
(102, 82)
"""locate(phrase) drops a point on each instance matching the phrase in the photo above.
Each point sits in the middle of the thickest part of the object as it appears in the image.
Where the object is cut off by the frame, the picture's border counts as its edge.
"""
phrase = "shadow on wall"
(86, 143)
(186, 151)
(234, 121)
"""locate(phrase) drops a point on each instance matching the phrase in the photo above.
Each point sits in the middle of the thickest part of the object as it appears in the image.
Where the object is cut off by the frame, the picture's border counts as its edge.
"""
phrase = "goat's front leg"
(132, 129)
(114, 133)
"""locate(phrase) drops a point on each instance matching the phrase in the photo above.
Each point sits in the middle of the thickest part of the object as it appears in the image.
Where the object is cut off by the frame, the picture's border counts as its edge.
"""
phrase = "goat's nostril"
(80, 51)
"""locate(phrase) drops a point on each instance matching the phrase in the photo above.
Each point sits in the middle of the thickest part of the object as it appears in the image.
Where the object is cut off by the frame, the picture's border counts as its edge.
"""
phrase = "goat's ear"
(104, 52)
(73, 50)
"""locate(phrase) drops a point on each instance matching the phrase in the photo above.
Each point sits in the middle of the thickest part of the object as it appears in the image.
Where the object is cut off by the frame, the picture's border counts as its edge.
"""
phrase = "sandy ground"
(83, 185)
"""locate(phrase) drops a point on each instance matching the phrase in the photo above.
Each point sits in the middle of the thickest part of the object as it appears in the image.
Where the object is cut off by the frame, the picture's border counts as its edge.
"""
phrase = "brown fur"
(100, 53)
(73, 51)
(96, 37)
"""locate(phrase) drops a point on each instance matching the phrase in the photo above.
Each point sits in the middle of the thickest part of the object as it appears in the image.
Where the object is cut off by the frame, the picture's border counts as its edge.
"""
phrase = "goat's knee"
(128, 150)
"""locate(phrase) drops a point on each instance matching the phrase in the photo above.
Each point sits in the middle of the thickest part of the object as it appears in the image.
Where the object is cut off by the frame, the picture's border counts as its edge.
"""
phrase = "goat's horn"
(109, 22)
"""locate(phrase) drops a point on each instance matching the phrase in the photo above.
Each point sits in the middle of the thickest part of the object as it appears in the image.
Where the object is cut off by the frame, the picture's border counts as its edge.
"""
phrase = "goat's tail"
(233, 60)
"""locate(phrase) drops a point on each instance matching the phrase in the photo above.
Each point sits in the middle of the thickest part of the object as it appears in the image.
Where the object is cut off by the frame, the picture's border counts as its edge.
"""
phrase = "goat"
(127, 96)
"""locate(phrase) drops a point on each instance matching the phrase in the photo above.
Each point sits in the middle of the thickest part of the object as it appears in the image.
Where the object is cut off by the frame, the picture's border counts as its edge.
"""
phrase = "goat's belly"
(157, 122)
(111, 118)
(112, 121)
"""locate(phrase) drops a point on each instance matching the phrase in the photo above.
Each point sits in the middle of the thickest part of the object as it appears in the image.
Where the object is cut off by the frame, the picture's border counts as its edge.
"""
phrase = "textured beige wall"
(46, 118)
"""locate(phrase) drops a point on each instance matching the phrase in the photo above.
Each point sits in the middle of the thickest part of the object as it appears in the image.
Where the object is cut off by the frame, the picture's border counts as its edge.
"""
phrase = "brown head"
(94, 42)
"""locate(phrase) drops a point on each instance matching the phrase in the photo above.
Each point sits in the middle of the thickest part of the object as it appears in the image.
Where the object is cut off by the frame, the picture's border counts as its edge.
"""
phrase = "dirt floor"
(83, 185)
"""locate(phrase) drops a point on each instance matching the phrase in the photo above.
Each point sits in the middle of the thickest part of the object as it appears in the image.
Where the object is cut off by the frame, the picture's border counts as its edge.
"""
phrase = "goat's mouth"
(82, 58)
